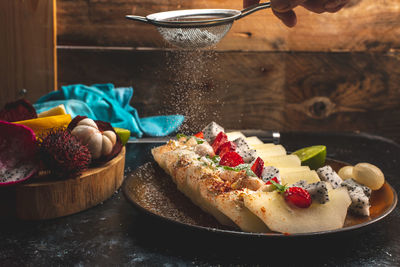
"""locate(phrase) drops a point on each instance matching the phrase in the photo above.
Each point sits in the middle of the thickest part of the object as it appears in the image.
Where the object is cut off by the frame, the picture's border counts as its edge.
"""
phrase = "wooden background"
(27, 49)
(332, 72)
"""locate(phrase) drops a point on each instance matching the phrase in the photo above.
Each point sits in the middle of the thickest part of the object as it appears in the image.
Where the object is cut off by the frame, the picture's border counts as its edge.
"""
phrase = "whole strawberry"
(296, 196)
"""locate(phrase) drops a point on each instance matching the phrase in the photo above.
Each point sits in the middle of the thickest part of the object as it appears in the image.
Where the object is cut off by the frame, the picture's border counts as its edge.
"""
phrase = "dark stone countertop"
(114, 233)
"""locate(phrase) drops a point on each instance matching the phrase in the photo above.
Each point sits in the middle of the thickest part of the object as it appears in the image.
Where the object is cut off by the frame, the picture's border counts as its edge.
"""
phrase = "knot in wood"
(319, 107)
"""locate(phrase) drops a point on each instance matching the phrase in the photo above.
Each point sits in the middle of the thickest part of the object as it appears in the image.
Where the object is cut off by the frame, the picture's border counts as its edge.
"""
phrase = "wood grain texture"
(51, 199)
(252, 90)
(364, 25)
(27, 49)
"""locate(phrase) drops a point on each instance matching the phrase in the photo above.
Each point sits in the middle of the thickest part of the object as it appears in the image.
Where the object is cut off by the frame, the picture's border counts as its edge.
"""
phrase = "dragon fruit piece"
(359, 195)
(318, 190)
(351, 184)
(243, 149)
(249, 156)
(18, 153)
(270, 172)
(327, 174)
(211, 131)
(241, 143)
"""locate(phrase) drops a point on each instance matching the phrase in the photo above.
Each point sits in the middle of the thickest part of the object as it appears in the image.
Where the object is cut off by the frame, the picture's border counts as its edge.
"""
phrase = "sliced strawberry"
(231, 159)
(298, 196)
(219, 140)
(226, 147)
(199, 135)
(258, 166)
(273, 179)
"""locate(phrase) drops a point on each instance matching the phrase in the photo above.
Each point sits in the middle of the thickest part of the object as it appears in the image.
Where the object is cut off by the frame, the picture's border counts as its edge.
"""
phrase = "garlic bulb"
(99, 143)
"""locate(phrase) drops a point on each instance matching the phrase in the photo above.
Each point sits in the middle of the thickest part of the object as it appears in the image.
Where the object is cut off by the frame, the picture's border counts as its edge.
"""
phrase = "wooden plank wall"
(332, 72)
(27, 49)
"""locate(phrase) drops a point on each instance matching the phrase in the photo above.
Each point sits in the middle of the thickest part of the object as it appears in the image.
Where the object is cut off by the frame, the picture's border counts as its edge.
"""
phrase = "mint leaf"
(199, 141)
(179, 136)
(249, 172)
(279, 187)
(216, 159)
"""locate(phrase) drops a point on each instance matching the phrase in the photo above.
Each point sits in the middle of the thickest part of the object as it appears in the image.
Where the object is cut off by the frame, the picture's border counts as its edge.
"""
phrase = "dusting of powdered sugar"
(192, 87)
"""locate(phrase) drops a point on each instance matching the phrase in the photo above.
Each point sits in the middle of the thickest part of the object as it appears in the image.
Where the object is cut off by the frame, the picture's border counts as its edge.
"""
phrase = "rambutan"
(63, 154)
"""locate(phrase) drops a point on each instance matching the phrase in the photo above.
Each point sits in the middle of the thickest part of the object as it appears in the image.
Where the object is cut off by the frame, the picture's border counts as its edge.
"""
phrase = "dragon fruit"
(359, 195)
(241, 143)
(327, 174)
(18, 153)
(243, 149)
(270, 172)
(318, 190)
(211, 131)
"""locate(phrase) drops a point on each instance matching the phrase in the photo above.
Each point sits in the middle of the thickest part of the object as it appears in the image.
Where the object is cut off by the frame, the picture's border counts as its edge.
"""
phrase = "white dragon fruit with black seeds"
(241, 143)
(359, 195)
(270, 172)
(211, 131)
(248, 155)
(18, 150)
(327, 174)
(243, 149)
(318, 191)
(351, 184)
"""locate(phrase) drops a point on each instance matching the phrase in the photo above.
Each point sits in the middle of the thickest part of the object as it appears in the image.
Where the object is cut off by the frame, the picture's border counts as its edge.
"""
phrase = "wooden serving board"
(46, 198)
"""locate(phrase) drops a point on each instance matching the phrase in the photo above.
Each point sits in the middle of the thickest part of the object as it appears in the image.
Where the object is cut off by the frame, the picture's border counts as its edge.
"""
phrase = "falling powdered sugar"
(192, 87)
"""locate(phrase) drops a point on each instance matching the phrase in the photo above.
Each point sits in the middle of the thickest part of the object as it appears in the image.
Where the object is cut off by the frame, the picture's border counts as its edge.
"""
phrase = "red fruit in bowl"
(18, 153)
(219, 140)
(231, 159)
(226, 147)
(298, 196)
(18, 111)
(258, 166)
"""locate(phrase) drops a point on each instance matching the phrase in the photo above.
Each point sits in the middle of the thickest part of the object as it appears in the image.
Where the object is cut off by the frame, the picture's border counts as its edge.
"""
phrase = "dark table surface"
(115, 233)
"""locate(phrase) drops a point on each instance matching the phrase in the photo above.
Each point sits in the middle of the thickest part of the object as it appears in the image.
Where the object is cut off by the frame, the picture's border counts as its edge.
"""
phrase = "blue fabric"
(106, 103)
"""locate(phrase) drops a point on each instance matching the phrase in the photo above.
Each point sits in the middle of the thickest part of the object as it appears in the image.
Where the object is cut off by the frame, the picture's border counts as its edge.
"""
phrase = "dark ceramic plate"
(150, 189)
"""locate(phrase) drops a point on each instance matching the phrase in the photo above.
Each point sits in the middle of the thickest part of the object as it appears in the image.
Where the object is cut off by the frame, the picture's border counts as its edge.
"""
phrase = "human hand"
(283, 9)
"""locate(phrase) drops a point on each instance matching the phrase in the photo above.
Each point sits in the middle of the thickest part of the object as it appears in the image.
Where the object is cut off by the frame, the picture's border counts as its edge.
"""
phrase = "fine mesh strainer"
(196, 28)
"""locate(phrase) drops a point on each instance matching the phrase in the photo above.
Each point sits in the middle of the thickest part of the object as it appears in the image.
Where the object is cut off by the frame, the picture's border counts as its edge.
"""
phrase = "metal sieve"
(196, 28)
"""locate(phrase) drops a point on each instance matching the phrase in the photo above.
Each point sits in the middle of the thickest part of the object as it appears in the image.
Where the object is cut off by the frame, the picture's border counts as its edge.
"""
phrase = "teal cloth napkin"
(106, 103)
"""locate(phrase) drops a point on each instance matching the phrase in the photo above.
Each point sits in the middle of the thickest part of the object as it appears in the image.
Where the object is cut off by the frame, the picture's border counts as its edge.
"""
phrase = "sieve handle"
(252, 9)
(138, 18)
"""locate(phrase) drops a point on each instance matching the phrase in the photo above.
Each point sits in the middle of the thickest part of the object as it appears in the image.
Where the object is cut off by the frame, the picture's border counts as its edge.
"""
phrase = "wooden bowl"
(46, 198)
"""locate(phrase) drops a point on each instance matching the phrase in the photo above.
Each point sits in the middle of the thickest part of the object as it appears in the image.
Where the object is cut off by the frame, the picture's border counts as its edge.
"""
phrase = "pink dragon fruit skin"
(18, 153)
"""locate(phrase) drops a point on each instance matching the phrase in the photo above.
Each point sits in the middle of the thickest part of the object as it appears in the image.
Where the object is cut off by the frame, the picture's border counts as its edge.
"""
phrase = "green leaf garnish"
(239, 168)
(227, 168)
(249, 172)
(199, 141)
(216, 159)
(279, 187)
(180, 135)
